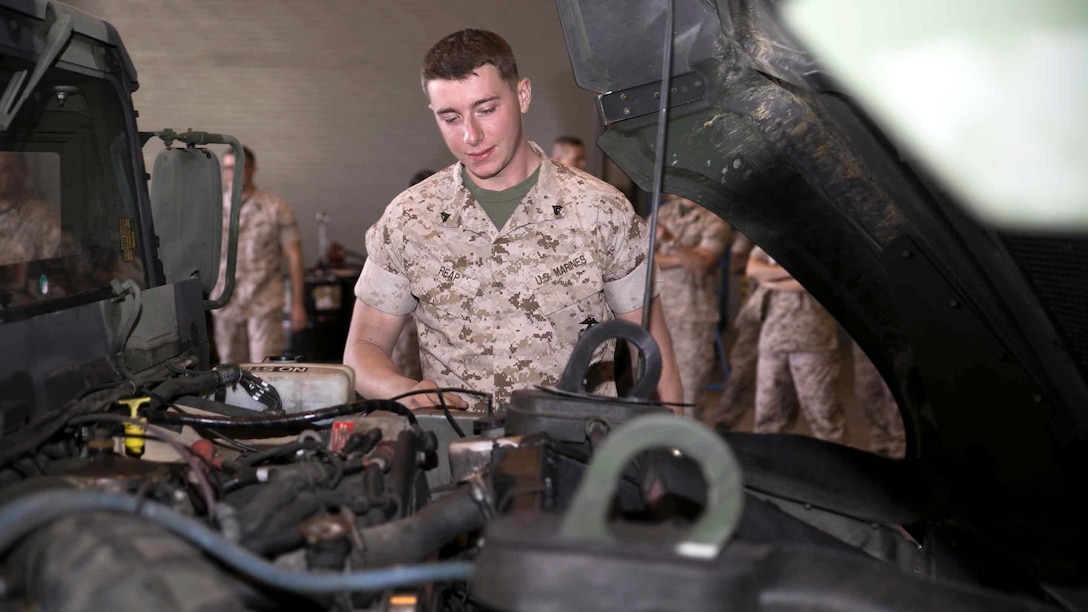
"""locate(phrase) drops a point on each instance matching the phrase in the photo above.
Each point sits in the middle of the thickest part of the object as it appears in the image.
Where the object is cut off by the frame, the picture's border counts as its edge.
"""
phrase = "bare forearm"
(766, 272)
(788, 284)
(376, 376)
(297, 272)
(669, 388)
(667, 261)
(370, 341)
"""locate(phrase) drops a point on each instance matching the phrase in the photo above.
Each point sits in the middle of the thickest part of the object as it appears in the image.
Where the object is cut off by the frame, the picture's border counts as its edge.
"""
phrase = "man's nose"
(473, 134)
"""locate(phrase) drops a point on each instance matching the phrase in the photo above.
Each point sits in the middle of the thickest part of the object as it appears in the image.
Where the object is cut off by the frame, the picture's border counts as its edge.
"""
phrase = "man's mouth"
(482, 155)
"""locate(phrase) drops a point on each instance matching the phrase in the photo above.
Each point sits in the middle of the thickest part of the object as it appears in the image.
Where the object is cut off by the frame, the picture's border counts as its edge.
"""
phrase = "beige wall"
(326, 92)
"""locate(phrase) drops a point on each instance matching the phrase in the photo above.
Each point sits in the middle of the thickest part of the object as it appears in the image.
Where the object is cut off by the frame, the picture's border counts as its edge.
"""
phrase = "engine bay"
(561, 502)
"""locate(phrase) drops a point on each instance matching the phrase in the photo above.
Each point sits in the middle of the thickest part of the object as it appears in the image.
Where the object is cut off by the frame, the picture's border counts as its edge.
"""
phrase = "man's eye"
(487, 110)
(450, 120)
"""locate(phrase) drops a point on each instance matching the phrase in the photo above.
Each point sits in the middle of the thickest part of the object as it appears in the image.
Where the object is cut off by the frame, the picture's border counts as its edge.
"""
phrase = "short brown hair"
(458, 55)
(568, 139)
(251, 159)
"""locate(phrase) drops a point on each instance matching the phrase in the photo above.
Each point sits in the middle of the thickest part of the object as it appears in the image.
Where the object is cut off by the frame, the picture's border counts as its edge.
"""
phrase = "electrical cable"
(282, 420)
(608, 399)
(440, 392)
(453, 422)
(232, 442)
(271, 453)
(336, 463)
(310, 417)
(38, 431)
(186, 455)
(183, 369)
(449, 417)
(22, 516)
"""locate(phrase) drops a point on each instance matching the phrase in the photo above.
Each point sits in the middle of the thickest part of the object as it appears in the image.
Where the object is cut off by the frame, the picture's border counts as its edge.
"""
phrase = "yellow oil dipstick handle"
(134, 434)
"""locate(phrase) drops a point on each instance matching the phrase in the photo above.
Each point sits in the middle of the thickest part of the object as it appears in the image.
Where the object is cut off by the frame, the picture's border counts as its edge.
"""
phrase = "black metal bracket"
(645, 99)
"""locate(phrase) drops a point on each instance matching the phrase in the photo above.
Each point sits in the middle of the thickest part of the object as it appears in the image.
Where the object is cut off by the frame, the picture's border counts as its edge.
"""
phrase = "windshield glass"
(68, 221)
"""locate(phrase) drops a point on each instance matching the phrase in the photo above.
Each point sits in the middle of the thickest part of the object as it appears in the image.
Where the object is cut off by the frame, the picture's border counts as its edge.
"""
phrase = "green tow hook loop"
(587, 518)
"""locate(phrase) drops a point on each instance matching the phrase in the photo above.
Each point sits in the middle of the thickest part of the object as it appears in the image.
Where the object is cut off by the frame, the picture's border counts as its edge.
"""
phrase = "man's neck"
(521, 166)
(247, 191)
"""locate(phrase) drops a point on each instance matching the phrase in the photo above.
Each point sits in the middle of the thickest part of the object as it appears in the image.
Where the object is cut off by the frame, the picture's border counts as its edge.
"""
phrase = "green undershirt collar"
(500, 205)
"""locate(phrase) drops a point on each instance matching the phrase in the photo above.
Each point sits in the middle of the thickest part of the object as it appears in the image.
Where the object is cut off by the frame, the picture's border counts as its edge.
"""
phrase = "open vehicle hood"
(983, 335)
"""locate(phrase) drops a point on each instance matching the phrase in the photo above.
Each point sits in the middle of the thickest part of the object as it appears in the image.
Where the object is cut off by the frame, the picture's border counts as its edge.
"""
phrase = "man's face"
(228, 173)
(571, 155)
(480, 120)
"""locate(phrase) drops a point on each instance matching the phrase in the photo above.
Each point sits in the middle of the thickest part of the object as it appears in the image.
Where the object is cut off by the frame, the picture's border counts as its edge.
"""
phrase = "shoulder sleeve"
(383, 283)
(623, 239)
(288, 224)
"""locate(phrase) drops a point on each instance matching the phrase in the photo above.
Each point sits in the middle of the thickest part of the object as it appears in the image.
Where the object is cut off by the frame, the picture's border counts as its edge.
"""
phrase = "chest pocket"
(440, 285)
(572, 301)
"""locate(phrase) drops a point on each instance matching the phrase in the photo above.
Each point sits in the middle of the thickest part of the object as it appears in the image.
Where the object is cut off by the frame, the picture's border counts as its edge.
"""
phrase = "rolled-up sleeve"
(626, 294)
(286, 221)
(624, 239)
(381, 289)
(381, 285)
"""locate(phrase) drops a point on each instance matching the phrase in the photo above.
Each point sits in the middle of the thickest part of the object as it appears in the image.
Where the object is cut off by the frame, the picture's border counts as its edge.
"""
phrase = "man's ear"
(525, 94)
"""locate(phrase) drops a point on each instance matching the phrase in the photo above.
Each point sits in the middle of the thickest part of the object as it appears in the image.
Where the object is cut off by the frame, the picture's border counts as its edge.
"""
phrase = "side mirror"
(187, 207)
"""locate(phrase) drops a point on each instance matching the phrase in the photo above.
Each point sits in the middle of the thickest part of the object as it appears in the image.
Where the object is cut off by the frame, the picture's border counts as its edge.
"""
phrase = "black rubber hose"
(194, 384)
(261, 421)
(238, 482)
(288, 518)
(374, 489)
(21, 517)
(413, 538)
(402, 472)
(276, 544)
(271, 453)
(362, 443)
(220, 408)
(281, 490)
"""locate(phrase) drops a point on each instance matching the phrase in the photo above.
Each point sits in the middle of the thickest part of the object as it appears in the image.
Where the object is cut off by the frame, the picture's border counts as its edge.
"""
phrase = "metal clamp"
(586, 519)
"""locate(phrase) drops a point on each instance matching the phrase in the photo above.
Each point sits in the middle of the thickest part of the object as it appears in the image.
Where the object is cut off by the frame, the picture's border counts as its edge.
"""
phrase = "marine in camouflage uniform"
(798, 353)
(504, 258)
(250, 327)
(739, 392)
(689, 254)
(886, 434)
(500, 310)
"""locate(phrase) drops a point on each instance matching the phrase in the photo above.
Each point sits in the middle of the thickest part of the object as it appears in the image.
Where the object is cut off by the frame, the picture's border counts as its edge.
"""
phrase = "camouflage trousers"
(886, 435)
(406, 351)
(693, 344)
(739, 393)
(249, 340)
(814, 377)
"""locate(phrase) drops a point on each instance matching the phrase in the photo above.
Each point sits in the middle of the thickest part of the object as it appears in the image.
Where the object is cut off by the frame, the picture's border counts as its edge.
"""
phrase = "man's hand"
(431, 400)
